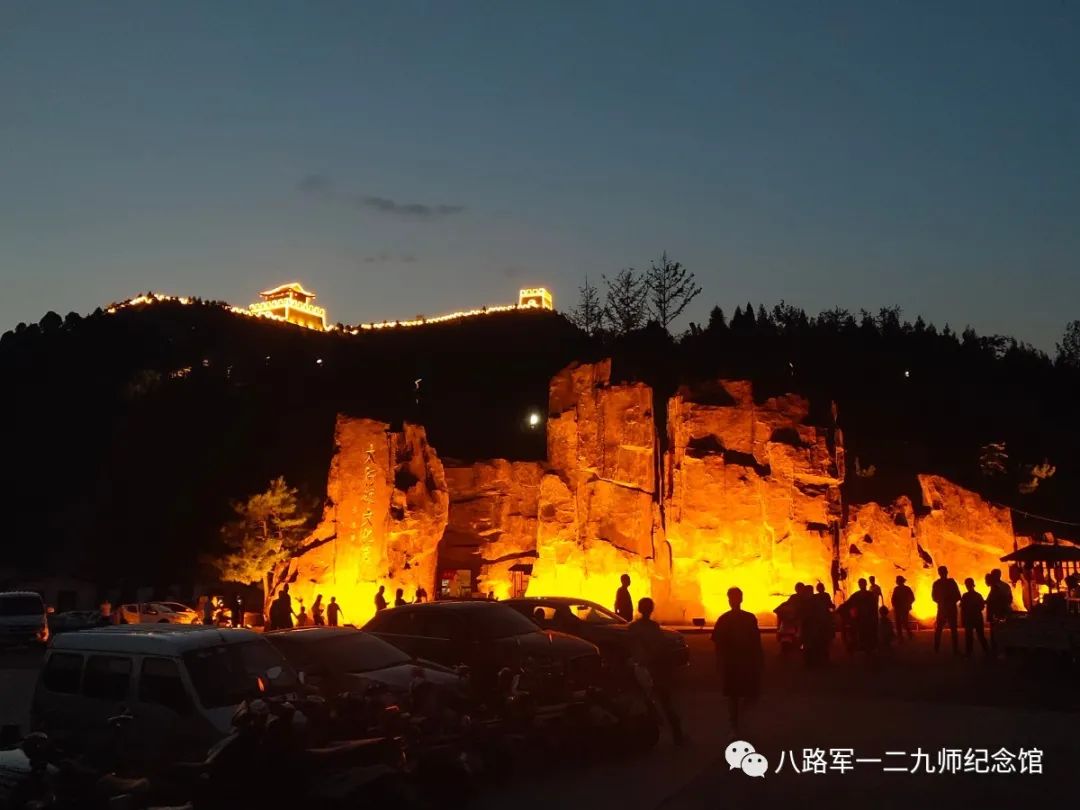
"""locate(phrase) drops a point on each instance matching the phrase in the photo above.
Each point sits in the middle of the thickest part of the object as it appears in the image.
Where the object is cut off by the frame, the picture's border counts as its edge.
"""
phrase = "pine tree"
(267, 531)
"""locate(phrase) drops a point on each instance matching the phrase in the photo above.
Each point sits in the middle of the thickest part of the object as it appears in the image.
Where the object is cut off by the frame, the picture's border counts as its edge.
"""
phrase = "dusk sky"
(403, 158)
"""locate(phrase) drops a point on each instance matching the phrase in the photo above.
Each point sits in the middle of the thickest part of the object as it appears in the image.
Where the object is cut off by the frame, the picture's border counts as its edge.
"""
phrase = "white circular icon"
(754, 765)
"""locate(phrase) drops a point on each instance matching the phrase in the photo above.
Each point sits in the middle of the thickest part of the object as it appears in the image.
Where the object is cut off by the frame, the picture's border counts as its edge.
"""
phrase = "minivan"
(23, 618)
(181, 685)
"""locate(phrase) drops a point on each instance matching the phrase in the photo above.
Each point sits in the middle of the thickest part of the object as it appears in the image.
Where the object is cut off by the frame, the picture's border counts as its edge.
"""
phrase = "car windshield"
(357, 652)
(21, 606)
(594, 614)
(501, 622)
(162, 607)
(228, 674)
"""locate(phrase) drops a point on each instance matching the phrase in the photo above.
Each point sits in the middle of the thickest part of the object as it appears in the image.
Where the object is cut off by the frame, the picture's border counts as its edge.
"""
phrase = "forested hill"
(127, 435)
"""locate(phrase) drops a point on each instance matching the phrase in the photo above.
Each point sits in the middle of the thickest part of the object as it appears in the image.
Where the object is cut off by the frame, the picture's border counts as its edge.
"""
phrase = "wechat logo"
(741, 754)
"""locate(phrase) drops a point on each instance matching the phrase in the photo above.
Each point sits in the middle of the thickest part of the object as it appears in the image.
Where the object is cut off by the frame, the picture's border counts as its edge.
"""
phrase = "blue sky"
(406, 157)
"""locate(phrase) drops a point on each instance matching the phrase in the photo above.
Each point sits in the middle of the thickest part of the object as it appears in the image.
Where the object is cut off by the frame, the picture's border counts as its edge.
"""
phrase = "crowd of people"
(808, 620)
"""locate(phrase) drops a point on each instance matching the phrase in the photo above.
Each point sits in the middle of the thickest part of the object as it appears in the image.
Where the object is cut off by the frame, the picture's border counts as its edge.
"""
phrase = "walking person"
(739, 655)
(946, 593)
(317, 613)
(624, 604)
(333, 611)
(652, 651)
(971, 614)
(903, 598)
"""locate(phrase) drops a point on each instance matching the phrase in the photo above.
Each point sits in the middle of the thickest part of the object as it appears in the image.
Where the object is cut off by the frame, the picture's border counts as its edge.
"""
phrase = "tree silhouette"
(1068, 351)
(588, 315)
(266, 532)
(671, 287)
(627, 296)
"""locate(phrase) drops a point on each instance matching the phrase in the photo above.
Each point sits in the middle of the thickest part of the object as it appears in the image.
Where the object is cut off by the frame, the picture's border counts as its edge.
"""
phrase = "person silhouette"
(946, 593)
(624, 604)
(399, 597)
(885, 628)
(875, 589)
(739, 655)
(864, 610)
(902, 600)
(380, 599)
(281, 612)
(651, 650)
(971, 613)
(302, 618)
(317, 611)
(333, 610)
(823, 597)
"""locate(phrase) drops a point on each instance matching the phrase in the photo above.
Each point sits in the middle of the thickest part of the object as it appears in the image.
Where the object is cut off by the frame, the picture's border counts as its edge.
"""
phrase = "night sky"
(404, 158)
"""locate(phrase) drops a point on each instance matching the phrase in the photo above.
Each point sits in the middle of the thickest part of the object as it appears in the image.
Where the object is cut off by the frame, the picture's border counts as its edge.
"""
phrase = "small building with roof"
(291, 303)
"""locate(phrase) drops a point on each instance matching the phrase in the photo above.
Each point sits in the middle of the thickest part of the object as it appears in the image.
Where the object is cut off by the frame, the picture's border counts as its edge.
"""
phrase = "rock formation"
(493, 520)
(386, 509)
(953, 527)
(598, 516)
(751, 498)
(746, 493)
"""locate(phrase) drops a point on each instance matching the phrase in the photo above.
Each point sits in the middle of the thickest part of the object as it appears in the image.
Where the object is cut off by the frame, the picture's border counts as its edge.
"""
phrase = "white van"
(23, 618)
(180, 683)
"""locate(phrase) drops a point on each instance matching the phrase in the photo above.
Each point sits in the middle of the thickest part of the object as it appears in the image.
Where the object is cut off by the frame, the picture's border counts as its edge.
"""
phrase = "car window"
(160, 683)
(437, 624)
(356, 652)
(541, 614)
(107, 677)
(501, 621)
(594, 614)
(228, 674)
(62, 673)
(397, 621)
(21, 606)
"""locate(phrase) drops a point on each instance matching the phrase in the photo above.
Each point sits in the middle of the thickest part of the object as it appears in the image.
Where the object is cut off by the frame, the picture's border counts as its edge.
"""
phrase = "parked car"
(23, 618)
(187, 614)
(74, 620)
(486, 637)
(344, 659)
(592, 622)
(157, 613)
(181, 685)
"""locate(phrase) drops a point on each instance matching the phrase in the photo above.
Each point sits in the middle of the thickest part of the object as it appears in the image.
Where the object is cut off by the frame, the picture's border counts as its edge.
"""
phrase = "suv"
(23, 618)
(592, 622)
(486, 637)
(180, 684)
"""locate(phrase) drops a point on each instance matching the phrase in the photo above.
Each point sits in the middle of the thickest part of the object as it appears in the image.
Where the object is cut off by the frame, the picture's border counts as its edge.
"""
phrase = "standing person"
(885, 629)
(998, 604)
(208, 611)
(421, 595)
(105, 609)
(399, 598)
(946, 594)
(739, 655)
(875, 589)
(902, 600)
(971, 613)
(865, 617)
(815, 628)
(380, 598)
(651, 651)
(624, 604)
(237, 610)
(333, 610)
(823, 597)
(281, 612)
(317, 611)
(302, 618)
